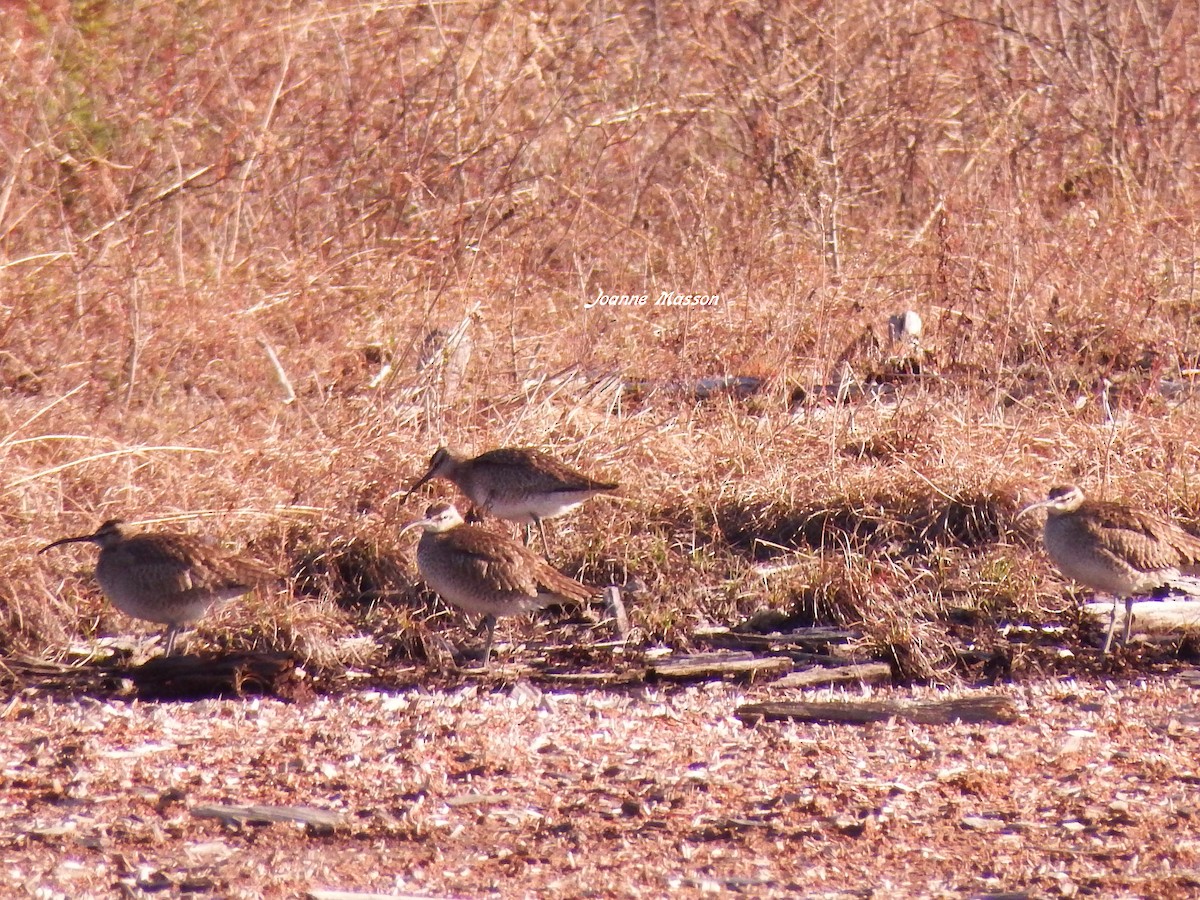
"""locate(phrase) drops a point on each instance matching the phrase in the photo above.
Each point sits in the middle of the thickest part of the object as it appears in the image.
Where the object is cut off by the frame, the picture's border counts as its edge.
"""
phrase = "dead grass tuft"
(912, 519)
(351, 571)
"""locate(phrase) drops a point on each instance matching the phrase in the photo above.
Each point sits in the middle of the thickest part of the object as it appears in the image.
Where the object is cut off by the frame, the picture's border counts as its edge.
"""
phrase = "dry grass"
(226, 233)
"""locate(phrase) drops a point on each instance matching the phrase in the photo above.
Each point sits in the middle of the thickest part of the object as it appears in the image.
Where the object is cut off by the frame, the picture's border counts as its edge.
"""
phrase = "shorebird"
(445, 357)
(1116, 550)
(482, 572)
(516, 483)
(171, 579)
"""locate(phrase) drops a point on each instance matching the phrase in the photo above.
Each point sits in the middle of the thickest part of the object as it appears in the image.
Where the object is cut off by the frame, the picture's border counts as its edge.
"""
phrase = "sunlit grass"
(221, 263)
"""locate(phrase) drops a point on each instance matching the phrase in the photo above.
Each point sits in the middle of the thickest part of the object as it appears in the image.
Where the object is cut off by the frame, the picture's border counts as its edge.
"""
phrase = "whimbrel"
(516, 483)
(172, 579)
(443, 364)
(482, 572)
(1116, 550)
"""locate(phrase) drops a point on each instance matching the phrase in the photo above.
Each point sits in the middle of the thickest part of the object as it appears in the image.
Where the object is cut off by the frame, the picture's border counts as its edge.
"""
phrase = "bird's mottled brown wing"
(191, 562)
(493, 561)
(1147, 541)
(500, 563)
(148, 562)
(537, 471)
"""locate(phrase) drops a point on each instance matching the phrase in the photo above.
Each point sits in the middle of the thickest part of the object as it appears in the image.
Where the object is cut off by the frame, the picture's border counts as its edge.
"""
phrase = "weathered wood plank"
(234, 674)
(820, 675)
(1150, 616)
(850, 712)
(319, 819)
(331, 894)
(598, 679)
(717, 665)
(804, 636)
(475, 800)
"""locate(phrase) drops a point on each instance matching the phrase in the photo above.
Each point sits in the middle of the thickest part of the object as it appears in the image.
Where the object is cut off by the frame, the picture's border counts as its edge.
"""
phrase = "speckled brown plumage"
(516, 483)
(483, 572)
(1146, 543)
(1115, 549)
(168, 578)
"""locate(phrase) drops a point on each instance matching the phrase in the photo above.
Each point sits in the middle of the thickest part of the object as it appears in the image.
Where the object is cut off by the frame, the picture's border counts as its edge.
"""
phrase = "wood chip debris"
(614, 793)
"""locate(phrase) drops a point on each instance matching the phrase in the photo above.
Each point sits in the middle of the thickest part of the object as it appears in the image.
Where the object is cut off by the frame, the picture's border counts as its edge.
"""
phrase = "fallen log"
(319, 820)
(1150, 616)
(696, 666)
(860, 712)
(236, 674)
(324, 894)
(820, 675)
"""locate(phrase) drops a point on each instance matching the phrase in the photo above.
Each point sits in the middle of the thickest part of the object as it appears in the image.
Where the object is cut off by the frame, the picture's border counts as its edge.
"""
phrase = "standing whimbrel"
(1116, 550)
(516, 483)
(172, 579)
(482, 572)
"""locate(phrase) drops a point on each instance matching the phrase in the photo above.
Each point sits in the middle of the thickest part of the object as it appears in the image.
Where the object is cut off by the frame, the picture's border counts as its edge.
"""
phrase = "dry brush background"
(227, 231)
(207, 211)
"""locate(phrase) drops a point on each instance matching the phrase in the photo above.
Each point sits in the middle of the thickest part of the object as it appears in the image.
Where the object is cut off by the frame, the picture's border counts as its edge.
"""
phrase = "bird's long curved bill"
(67, 540)
(414, 524)
(1041, 504)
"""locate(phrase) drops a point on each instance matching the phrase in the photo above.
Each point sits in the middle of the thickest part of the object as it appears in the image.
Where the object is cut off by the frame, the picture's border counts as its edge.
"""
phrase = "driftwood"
(318, 894)
(937, 712)
(182, 677)
(48, 674)
(193, 677)
(818, 635)
(740, 884)
(820, 675)
(717, 665)
(590, 679)
(476, 800)
(318, 820)
(805, 646)
(1150, 616)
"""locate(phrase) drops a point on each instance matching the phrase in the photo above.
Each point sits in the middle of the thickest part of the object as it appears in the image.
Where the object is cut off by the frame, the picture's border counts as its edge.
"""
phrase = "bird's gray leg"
(490, 621)
(616, 608)
(1112, 627)
(172, 632)
(1128, 619)
(545, 543)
